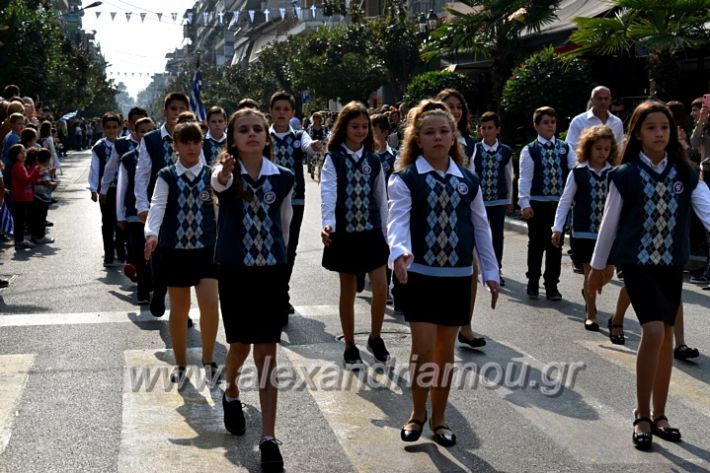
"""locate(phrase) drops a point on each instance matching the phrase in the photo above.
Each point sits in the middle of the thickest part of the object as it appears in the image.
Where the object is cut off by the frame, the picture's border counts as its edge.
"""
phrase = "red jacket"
(22, 180)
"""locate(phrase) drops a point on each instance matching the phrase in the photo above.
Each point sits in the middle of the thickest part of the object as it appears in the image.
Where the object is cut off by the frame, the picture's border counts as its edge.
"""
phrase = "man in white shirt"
(598, 114)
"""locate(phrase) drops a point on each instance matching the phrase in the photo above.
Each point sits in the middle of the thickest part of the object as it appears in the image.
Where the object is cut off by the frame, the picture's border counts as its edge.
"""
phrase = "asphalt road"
(543, 395)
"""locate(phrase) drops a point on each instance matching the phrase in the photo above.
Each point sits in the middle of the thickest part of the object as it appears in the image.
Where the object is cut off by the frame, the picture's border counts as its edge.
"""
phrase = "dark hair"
(381, 121)
(43, 156)
(176, 97)
(633, 144)
(31, 156)
(137, 112)
(680, 116)
(282, 95)
(27, 135)
(186, 117)
(462, 125)
(541, 112)
(248, 103)
(697, 103)
(340, 127)
(10, 91)
(216, 111)
(14, 151)
(187, 132)
(143, 120)
(45, 129)
(111, 117)
(490, 117)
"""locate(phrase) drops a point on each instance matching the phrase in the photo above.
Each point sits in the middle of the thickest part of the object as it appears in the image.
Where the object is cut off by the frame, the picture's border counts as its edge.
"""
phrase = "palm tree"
(492, 29)
(663, 29)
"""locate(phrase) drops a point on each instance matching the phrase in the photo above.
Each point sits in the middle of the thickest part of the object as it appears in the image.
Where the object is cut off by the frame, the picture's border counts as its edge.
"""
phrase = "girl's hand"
(509, 209)
(494, 287)
(595, 280)
(150, 244)
(94, 196)
(400, 267)
(325, 235)
(556, 236)
(527, 213)
(227, 168)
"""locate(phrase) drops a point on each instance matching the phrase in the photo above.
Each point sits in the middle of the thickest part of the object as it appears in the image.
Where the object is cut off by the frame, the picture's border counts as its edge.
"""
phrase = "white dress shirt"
(209, 136)
(268, 168)
(111, 169)
(329, 190)
(94, 169)
(587, 120)
(699, 200)
(399, 237)
(527, 169)
(568, 194)
(306, 140)
(143, 169)
(160, 198)
(508, 168)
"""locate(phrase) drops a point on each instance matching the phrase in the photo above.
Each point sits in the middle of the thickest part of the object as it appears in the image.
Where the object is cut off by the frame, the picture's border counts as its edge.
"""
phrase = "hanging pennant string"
(160, 17)
(220, 15)
(251, 15)
(98, 14)
(313, 11)
(128, 17)
(142, 15)
(206, 17)
(282, 11)
(235, 16)
(113, 15)
(174, 15)
(266, 14)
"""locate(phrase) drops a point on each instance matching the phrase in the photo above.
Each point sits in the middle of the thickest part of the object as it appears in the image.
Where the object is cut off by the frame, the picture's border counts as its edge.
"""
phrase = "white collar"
(604, 168)
(354, 154)
(268, 168)
(210, 137)
(281, 134)
(544, 141)
(590, 114)
(461, 139)
(194, 170)
(490, 148)
(424, 167)
(389, 150)
(164, 132)
(660, 167)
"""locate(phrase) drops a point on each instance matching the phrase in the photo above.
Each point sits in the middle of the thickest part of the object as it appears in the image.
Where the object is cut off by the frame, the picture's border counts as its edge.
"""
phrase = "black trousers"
(496, 219)
(22, 215)
(38, 217)
(114, 238)
(294, 233)
(539, 242)
(135, 243)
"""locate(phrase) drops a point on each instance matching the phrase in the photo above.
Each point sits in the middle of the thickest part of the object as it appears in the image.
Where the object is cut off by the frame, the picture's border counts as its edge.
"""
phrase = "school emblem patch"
(366, 169)
(296, 144)
(270, 197)
(205, 196)
(462, 188)
(678, 187)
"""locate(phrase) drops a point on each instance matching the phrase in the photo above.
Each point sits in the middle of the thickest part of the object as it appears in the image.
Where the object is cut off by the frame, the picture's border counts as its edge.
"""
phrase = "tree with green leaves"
(492, 30)
(663, 29)
(431, 83)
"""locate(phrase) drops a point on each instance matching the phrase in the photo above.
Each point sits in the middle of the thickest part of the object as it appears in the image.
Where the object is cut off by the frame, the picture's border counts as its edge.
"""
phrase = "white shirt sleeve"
(573, 132)
(286, 215)
(484, 240)
(328, 193)
(143, 167)
(53, 151)
(121, 194)
(214, 180)
(509, 176)
(94, 173)
(399, 237)
(571, 158)
(110, 171)
(700, 200)
(380, 195)
(565, 203)
(306, 142)
(619, 132)
(525, 175)
(157, 208)
(607, 230)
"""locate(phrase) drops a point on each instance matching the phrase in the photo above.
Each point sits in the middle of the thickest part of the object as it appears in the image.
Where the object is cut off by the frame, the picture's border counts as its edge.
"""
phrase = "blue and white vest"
(102, 149)
(490, 169)
(288, 152)
(356, 209)
(160, 151)
(589, 201)
(551, 170)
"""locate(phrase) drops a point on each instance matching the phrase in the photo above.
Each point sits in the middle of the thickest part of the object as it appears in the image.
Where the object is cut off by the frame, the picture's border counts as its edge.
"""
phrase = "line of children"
(646, 219)
(43, 188)
(436, 219)
(23, 180)
(255, 198)
(354, 215)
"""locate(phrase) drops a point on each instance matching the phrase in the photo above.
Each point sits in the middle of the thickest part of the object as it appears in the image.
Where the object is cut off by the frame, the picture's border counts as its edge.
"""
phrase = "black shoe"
(291, 309)
(553, 294)
(475, 342)
(502, 282)
(47, 223)
(376, 346)
(4, 283)
(178, 375)
(351, 356)
(54, 201)
(271, 459)
(190, 323)
(445, 439)
(234, 420)
(533, 290)
(157, 303)
(683, 352)
(591, 326)
(642, 440)
(666, 433)
(619, 339)
(143, 298)
(409, 435)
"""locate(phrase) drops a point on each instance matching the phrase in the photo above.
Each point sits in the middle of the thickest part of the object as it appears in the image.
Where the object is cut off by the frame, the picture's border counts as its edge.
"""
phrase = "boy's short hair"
(31, 156)
(43, 156)
(248, 103)
(14, 151)
(28, 134)
(697, 103)
(185, 117)
(381, 121)
(282, 95)
(176, 96)
(137, 112)
(542, 111)
(111, 117)
(144, 120)
(16, 106)
(216, 111)
(16, 117)
(10, 91)
(490, 117)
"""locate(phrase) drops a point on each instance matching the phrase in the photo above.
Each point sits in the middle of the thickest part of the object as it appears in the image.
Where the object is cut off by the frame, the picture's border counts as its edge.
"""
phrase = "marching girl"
(456, 104)
(255, 214)
(646, 219)
(181, 221)
(585, 192)
(434, 256)
(354, 216)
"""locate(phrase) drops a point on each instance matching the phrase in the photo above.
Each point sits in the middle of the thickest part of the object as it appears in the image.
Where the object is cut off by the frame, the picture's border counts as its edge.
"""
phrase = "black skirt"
(254, 302)
(582, 249)
(655, 291)
(355, 253)
(437, 300)
(185, 268)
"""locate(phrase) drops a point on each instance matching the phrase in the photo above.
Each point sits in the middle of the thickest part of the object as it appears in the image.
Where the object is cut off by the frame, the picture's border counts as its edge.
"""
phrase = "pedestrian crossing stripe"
(14, 371)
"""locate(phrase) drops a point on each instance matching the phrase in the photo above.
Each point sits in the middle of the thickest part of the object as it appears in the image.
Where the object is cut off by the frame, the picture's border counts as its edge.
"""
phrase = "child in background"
(42, 197)
(17, 124)
(215, 138)
(22, 193)
(354, 216)
(585, 192)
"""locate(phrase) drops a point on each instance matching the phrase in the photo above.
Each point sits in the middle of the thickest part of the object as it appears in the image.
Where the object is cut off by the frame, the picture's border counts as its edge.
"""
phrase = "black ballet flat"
(619, 339)
(666, 433)
(643, 440)
(591, 326)
(409, 435)
(445, 440)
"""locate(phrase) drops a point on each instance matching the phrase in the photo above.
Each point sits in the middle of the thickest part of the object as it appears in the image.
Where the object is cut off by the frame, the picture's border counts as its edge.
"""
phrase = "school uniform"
(585, 193)
(544, 165)
(354, 205)
(646, 219)
(494, 167)
(252, 252)
(182, 216)
(469, 149)
(439, 218)
(211, 148)
(387, 159)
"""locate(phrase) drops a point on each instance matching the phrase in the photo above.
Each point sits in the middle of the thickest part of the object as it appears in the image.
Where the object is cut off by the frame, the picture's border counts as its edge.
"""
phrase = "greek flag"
(195, 103)
(69, 115)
